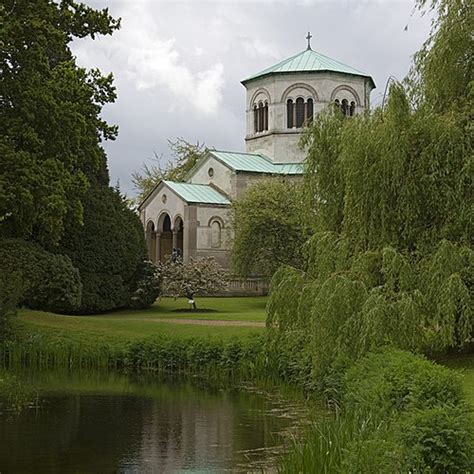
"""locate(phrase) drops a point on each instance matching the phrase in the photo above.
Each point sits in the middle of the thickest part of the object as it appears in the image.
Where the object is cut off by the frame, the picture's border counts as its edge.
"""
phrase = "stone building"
(194, 216)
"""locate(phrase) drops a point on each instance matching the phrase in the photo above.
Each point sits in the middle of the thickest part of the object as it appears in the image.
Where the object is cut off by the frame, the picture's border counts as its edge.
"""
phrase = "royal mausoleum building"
(193, 216)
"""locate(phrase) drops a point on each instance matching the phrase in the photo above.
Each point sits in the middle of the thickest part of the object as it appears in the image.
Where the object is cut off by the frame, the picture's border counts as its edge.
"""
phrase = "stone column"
(175, 239)
(294, 114)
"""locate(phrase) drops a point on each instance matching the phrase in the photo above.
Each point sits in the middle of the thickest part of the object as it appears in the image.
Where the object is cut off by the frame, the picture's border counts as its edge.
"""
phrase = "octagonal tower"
(283, 98)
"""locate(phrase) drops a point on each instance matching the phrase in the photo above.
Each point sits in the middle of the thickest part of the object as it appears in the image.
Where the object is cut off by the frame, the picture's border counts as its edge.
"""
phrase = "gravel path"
(209, 322)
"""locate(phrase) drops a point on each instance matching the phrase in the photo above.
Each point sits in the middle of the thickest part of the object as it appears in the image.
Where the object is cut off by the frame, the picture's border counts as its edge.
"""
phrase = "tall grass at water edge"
(239, 357)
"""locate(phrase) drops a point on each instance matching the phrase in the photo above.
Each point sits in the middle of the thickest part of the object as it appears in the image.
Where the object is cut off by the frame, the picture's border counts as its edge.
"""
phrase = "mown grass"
(132, 325)
(143, 339)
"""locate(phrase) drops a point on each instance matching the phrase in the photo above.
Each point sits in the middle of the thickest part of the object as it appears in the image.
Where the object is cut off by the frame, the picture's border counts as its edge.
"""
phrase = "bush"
(148, 286)
(393, 381)
(399, 413)
(438, 440)
(11, 288)
(421, 402)
(108, 249)
(51, 283)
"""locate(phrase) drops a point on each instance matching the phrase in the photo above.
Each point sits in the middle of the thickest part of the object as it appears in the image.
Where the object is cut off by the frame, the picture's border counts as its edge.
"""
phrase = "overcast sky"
(178, 64)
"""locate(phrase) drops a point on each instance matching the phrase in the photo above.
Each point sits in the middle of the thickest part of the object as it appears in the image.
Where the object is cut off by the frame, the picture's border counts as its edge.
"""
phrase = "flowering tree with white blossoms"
(203, 276)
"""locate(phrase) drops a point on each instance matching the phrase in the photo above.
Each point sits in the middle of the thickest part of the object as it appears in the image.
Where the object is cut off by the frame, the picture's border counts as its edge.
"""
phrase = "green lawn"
(132, 325)
(465, 365)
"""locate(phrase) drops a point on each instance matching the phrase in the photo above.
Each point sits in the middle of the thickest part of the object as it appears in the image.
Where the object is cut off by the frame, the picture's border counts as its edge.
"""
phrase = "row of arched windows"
(299, 112)
(260, 117)
(347, 109)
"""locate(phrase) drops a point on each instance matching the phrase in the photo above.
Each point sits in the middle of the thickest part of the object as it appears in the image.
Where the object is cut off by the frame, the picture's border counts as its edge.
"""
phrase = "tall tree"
(50, 124)
(185, 156)
(392, 259)
(271, 225)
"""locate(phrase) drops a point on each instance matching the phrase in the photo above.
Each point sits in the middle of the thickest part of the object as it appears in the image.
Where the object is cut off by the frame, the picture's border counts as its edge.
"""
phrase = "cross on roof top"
(308, 37)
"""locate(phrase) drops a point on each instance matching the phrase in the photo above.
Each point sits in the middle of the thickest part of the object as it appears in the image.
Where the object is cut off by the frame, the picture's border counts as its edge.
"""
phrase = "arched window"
(260, 117)
(265, 116)
(352, 109)
(167, 224)
(309, 110)
(255, 119)
(289, 113)
(345, 107)
(216, 238)
(299, 112)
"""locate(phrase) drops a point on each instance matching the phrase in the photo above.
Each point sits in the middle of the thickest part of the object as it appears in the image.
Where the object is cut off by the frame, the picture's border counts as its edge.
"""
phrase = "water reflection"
(119, 424)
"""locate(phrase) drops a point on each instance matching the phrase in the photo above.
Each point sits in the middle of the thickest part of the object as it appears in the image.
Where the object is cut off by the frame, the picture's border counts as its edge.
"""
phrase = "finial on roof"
(309, 40)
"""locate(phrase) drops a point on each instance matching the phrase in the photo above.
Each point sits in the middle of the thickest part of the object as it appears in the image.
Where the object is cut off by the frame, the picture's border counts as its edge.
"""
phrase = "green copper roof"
(255, 163)
(308, 61)
(197, 193)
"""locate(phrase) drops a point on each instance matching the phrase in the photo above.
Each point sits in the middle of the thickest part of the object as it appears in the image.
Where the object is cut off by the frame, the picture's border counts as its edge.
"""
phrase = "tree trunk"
(192, 302)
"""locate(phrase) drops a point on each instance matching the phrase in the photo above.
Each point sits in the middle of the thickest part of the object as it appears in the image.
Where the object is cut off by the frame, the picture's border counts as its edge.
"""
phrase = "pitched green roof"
(308, 61)
(255, 163)
(197, 193)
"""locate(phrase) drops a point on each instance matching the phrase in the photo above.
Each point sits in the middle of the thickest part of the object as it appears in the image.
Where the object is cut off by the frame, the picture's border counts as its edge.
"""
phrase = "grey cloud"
(189, 58)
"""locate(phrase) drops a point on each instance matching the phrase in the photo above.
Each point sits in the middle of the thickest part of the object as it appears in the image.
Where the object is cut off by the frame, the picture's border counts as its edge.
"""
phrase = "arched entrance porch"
(178, 232)
(165, 235)
(151, 240)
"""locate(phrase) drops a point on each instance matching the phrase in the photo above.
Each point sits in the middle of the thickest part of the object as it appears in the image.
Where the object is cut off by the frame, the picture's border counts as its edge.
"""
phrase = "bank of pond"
(210, 404)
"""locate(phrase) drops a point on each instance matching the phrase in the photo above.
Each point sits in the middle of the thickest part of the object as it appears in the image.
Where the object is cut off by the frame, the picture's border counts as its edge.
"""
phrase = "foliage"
(185, 156)
(442, 73)
(46, 281)
(438, 439)
(49, 117)
(391, 381)
(14, 395)
(11, 289)
(271, 225)
(200, 276)
(108, 249)
(218, 357)
(391, 261)
(399, 413)
(148, 286)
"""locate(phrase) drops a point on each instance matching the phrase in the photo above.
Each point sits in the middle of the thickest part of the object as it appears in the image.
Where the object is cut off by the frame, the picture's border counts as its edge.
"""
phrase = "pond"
(117, 423)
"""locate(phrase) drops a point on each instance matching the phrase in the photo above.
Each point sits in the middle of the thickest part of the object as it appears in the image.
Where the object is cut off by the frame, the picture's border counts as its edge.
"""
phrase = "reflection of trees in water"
(189, 433)
(72, 433)
(158, 427)
(196, 430)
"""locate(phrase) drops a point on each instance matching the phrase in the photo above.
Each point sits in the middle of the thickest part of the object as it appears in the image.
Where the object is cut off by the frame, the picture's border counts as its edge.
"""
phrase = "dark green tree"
(108, 249)
(50, 124)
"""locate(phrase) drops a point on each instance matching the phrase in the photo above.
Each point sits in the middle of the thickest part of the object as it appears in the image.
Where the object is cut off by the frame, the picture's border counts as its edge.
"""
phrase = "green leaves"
(271, 225)
(49, 117)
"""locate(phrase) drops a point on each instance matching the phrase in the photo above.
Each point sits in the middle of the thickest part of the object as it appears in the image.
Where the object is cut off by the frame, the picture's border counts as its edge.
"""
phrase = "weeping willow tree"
(392, 261)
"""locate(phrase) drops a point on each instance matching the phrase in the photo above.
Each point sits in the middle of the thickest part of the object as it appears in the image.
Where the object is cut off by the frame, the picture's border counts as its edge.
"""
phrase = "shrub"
(399, 413)
(148, 286)
(11, 289)
(108, 249)
(393, 381)
(51, 283)
(438, 440)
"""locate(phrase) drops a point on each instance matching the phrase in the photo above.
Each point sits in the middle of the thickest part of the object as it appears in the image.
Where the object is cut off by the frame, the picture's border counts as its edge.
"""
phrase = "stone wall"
(247, 287)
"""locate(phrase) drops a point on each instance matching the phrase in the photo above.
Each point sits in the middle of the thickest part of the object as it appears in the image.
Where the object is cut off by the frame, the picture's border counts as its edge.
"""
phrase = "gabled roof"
(255, 163)
(308, 61)
(197, 193)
